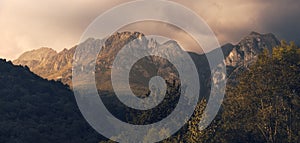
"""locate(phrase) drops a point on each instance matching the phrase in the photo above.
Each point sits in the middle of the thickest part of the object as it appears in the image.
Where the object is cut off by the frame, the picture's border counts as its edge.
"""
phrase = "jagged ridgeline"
(37, 110)
(49, 64)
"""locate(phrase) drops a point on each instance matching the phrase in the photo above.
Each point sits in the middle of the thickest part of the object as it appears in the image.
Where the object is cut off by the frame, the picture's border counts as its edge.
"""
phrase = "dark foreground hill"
(37, 110)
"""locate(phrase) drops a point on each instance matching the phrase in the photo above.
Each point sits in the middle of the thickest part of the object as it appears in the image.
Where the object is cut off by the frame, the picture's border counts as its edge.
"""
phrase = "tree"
(264, 105)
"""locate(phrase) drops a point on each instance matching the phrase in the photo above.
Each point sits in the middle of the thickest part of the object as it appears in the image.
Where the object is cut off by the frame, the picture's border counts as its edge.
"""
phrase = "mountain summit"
(33, 58)
(248, 49)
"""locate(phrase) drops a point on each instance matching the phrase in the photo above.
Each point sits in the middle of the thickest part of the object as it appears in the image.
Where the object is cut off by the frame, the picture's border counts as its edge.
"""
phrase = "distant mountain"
(58, 66)
(37, 110)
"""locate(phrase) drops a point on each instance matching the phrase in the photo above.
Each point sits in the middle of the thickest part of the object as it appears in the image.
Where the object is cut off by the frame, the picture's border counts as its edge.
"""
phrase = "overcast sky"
(58, 24)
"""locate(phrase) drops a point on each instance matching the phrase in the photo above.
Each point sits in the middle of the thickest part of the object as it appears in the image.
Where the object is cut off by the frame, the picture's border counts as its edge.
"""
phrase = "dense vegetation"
(33, 109)
(262, 105)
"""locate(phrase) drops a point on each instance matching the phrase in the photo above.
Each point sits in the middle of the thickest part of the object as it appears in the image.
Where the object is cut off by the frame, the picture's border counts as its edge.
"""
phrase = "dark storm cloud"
(233, 19)
(282, 19)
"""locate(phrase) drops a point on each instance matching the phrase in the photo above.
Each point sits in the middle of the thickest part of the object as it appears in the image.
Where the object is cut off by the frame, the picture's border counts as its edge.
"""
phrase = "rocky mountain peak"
(254, 33)
(34, 57)
(38, 54)
(249, 48)
(171, 43)
(123, 36)
(259, 41)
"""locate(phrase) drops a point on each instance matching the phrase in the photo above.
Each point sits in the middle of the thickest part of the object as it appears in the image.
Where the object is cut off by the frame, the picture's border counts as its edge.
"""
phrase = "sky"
(59, 24)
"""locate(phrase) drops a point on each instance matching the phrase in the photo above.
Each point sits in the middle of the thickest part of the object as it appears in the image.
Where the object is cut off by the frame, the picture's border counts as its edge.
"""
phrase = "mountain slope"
(36, 110)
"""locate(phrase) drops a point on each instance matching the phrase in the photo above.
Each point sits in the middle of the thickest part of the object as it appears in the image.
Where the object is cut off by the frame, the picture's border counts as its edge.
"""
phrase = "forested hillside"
(37, 110)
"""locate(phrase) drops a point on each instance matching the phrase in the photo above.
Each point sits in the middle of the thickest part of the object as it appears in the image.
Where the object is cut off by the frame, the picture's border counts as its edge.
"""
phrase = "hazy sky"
(58, 24)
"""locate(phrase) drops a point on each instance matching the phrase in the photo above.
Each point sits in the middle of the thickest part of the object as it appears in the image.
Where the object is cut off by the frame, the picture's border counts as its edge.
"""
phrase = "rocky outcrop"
(33, 58)
(249, 47)
(48, 64)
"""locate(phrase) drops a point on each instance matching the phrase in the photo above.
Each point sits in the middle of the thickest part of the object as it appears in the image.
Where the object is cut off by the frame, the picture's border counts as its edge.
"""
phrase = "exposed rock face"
(249, 47)
(33, 58)
(48, 63)
(51, 65)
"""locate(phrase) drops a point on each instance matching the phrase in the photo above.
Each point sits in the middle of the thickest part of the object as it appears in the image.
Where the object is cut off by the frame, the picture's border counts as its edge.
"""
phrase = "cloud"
(233, 19)
(282, 19)
(57, 24)
(32, 24)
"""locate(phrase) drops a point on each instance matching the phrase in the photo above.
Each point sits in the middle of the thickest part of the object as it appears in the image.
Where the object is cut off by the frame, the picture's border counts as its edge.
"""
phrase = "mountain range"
(54, 116)
(50, 64)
